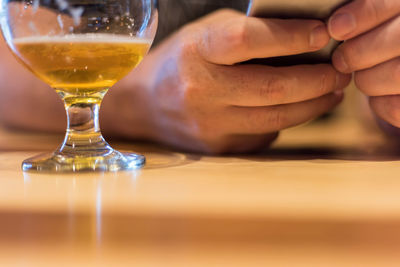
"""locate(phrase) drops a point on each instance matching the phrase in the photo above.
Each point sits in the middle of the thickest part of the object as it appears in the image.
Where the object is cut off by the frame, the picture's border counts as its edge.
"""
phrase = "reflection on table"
(324, 195)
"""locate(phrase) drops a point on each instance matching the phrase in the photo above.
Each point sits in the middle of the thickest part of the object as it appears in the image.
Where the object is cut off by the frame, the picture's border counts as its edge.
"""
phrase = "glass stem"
(83, 136)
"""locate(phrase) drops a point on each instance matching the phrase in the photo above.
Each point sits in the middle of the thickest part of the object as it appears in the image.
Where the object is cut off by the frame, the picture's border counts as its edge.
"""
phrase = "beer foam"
(82, 38)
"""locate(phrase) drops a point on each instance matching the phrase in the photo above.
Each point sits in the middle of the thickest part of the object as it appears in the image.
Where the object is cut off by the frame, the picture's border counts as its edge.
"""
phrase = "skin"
(191, 93)
(371, 30)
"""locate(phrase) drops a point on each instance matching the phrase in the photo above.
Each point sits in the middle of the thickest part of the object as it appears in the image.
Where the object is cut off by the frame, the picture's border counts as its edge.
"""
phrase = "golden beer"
(83, 63)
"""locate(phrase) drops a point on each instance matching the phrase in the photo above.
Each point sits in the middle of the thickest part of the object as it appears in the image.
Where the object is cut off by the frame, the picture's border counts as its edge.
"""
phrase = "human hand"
(371, 30)
(197, 98)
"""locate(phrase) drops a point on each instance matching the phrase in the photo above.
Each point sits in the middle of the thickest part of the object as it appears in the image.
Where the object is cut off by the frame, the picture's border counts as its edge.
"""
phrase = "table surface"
(327, 194)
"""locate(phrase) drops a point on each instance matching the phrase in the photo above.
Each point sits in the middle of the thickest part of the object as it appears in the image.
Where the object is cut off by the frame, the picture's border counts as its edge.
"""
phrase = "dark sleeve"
(173, 14)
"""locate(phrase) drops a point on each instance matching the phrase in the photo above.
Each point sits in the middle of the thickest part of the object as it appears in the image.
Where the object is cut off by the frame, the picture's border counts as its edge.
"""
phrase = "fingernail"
(342, 24)
(339, 62)
(318, 37)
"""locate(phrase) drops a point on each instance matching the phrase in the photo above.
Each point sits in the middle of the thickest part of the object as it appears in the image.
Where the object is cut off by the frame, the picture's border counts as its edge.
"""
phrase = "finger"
(252, 143)
(254, 85)
(381, 80)
(239, 143)
(261, 120)
(392, 132)
(240, 38)
(379, 45)
(360, 16)
(387, 108)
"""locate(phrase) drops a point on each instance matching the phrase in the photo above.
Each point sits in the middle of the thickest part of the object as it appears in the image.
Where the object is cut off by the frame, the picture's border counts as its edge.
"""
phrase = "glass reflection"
(79, 202)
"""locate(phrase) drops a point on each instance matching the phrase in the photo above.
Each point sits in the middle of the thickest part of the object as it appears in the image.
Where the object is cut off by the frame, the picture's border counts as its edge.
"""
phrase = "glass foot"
(59, 162)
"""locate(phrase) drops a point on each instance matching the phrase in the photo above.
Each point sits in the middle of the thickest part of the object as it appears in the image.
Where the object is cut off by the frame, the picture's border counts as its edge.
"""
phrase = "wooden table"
(325, 195)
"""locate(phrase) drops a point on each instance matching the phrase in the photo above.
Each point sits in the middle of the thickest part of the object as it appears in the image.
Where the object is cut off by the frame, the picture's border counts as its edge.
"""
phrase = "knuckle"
(299, 40)
(227, 12)
(327, 81)
(294, 40)
(199, 89)
(276, 119)
(376, 9)
(193, 87)
(261, 122)
(188, 46)
(324, 84)
(189, 90)
(171, 87)
(202, 123)
(237, 34)
(194, 93)
(274, 89)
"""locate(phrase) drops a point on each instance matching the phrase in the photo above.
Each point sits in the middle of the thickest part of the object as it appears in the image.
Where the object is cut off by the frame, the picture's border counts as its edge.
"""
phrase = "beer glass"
(80, 48)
